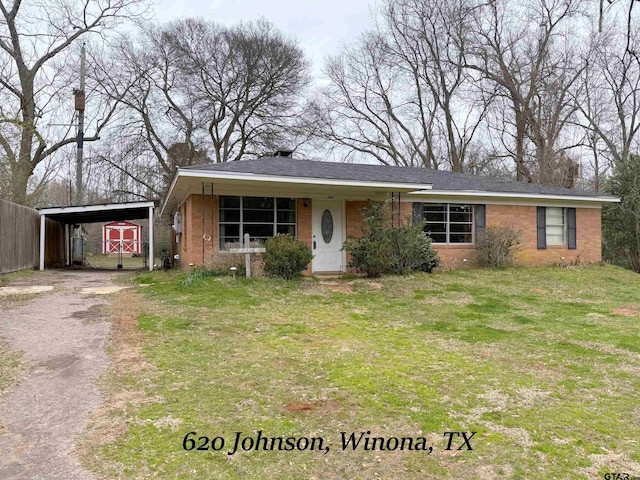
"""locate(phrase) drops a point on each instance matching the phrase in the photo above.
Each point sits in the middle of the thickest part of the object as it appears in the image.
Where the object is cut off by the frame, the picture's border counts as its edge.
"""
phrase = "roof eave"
(253, 177)
(520, 195)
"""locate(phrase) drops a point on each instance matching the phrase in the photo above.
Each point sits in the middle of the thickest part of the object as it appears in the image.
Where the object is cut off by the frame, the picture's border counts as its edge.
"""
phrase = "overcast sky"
(320, 26)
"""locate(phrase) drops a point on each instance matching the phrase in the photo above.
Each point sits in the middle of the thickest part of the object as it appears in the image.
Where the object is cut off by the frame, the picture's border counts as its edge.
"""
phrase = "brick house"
(214, 205)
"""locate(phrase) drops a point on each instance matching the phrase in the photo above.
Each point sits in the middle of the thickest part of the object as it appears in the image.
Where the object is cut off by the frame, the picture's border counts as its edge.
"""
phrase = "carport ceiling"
(98, 213)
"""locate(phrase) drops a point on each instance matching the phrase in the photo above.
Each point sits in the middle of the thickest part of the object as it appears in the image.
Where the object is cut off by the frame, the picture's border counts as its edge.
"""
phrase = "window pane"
(460, 213)
(460, 238)
(287, 229)
(460, 228)
(555, 216)
(286, 204)
(229, 242)
(257, 203)
(436, 227)
(435, 207)
(229, 230)
(230, 215)
(258, 216)
(555, 235)
(259, 231)
(229, 202)
(438, 237)
(435, 216)
(460, 217)
(555, 239)
(555, 226)
(286, 216)
(460, 208)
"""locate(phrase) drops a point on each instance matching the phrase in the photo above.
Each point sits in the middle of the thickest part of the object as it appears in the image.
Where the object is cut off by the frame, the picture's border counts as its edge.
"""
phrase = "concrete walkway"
(62, 335)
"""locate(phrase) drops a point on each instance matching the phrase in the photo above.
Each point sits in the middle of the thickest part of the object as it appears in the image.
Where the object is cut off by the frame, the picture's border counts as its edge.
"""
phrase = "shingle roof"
(440, 179)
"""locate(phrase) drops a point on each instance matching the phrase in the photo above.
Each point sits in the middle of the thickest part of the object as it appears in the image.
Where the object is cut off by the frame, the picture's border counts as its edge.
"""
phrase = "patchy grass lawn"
(543, 363)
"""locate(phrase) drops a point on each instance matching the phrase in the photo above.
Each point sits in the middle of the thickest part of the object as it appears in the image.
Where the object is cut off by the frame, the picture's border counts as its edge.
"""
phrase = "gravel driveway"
(62, 335)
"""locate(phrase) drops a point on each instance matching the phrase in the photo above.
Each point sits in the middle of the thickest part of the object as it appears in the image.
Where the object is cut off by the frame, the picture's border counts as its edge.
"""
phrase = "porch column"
(151, 239)
(42, 239)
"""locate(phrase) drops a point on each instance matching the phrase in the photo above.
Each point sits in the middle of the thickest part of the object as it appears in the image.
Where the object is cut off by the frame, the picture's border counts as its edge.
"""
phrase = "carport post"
(42, 238)
(151, 239)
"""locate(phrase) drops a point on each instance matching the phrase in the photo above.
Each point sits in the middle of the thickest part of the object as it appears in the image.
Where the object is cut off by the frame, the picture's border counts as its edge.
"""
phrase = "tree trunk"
(25, 164)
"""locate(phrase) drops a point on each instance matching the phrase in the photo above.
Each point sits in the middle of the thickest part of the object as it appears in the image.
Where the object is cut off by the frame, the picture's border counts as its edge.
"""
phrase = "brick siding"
(588, 233)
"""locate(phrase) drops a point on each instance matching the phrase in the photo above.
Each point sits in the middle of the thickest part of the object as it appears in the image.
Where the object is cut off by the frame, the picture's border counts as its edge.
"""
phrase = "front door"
(327, 236)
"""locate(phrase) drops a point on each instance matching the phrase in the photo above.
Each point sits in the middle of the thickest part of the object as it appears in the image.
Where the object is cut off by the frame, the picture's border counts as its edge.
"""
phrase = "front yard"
(543, 363)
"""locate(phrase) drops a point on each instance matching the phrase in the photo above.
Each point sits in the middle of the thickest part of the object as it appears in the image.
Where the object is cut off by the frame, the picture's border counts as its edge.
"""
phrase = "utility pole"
(79, 101)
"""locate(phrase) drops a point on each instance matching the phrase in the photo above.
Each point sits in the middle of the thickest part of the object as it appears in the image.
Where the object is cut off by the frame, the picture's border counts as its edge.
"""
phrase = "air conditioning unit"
(177, 222)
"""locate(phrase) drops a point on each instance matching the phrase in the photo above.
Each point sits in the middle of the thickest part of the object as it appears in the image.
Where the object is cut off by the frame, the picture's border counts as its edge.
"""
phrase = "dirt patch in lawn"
(626, 311)
(339, 287)
(310, 406)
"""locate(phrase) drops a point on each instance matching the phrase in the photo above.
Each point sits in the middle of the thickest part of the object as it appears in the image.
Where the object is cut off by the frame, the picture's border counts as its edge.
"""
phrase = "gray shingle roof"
(441, 180)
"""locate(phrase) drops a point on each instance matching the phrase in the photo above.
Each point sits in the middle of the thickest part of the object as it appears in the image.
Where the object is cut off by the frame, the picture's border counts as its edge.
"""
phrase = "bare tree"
(213, 92)
(609, 97)
(35, 44)
(526, 51)
(402, 94)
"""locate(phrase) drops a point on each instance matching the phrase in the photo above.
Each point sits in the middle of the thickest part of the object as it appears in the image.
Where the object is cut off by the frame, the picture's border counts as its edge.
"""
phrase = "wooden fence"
(20, 238)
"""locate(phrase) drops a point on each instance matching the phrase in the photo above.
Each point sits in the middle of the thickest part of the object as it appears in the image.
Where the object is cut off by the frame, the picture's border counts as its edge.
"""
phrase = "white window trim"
(448, 223)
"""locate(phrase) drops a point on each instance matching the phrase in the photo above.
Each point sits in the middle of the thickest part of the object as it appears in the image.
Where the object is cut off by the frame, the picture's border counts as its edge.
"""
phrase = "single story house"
(214, 205)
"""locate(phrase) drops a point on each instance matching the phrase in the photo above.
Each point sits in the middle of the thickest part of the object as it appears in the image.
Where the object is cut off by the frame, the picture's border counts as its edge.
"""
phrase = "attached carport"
(94, 214)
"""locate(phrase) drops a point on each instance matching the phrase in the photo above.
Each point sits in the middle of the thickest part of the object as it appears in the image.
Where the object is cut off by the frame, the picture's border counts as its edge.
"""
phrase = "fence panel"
(19, 237)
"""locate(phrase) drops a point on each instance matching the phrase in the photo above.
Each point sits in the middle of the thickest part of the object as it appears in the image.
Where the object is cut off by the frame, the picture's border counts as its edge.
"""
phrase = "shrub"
(285, 257)
(496, 246)
(621, 221)
(370, 252)
(411, 249)
(383, 248)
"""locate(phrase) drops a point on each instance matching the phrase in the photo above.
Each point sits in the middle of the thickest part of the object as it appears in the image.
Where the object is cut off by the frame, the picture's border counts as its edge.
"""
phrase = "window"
(260, 217)
(448, 222)
(555, 226)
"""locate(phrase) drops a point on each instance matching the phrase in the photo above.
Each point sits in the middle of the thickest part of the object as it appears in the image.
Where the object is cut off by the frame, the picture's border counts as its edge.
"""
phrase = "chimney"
(283, 152)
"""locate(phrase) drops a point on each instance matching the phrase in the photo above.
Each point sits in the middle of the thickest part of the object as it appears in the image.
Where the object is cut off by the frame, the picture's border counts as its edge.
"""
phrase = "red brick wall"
(303, 224)
(192, 238)
(353, 217)
(588, 229)
(520, 217)
(588, 235)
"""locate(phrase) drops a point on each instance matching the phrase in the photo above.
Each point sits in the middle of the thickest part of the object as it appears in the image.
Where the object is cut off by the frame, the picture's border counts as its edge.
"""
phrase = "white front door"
(328, 235)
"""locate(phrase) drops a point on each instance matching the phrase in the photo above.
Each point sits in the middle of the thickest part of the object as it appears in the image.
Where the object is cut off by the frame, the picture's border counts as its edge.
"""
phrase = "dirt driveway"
(62, 335)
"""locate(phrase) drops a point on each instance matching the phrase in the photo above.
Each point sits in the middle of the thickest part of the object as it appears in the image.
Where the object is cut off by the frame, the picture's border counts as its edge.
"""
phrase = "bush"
(621, 221)
(384, 248)
(286, 257)
(411, 249)
(370, 252)
(496, 246)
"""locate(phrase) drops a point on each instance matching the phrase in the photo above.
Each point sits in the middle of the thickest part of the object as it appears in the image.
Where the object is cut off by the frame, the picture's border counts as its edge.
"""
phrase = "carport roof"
(98, 213)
